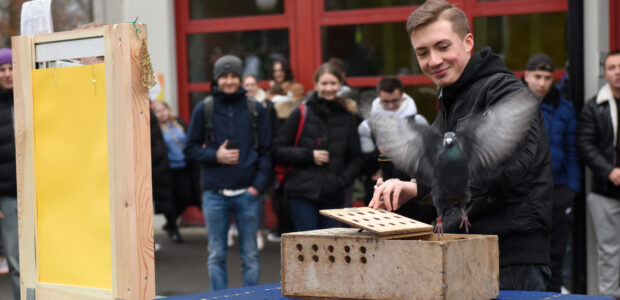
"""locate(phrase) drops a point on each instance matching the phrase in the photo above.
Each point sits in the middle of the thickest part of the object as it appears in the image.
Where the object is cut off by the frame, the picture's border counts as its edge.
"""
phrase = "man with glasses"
(394, 102)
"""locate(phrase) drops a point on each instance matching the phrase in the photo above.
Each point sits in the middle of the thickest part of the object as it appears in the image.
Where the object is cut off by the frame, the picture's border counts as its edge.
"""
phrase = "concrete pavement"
(182, 268)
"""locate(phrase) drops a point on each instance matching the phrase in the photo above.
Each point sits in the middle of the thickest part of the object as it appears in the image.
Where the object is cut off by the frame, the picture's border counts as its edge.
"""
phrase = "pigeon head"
(449, 138)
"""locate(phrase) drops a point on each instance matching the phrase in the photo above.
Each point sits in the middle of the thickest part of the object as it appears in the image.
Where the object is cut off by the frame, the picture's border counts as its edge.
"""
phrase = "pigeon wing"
(489, 137)
(412, 147)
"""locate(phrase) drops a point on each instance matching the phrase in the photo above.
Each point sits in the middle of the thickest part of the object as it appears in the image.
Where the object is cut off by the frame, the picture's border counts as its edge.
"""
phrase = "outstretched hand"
(392, 194)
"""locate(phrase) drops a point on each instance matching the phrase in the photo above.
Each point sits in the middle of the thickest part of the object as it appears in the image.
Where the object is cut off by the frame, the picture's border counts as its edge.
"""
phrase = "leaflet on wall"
(36, 17)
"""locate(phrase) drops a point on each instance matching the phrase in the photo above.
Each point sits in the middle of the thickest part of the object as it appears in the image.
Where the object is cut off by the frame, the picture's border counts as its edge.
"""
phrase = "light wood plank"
(50, 291)
(68, 35)
(23, 58)
(381, 222)
(130, 166)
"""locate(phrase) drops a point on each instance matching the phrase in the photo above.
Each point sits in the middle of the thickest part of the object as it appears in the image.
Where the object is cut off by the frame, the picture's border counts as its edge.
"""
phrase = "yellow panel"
(71, 171)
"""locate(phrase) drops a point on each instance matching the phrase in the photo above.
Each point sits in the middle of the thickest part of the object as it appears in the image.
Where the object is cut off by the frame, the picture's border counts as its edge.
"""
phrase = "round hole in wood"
(397, 217)
(377, 218)
(299, 247)
(347, 259)
(403, 223)
(347, 249)
(332, 259)
(381, 224)
(370, 225)
(363, 259)
(386, 218)
(315, 248)
(341, 215)
(354, 220)
(366, 220)
(315, 258)
(363, 249)
(371, 212)
(301, 258)
(330, 248)
(359, 212)
(392, 224)
(382, 211)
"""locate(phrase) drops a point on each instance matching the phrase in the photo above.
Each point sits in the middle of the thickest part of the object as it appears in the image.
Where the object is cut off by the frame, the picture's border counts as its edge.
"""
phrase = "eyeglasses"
(391, 101)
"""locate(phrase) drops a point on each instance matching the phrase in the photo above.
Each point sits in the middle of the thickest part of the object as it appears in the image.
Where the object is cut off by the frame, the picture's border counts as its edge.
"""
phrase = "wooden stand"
(347, 263)
(129, 163)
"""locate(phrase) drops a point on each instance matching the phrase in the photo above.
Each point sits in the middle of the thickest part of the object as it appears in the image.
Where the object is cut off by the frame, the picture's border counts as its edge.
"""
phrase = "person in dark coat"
(328, 156)
(184, 174)
(163, 201)
(513, 201)
(561, 126)
(597, 141)
(8, 179)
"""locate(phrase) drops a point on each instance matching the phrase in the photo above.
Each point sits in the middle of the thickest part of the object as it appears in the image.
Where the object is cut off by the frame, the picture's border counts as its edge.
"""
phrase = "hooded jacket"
(230, 121)
(406, 110)
(513, 200)
(328, 125)
(597, 138)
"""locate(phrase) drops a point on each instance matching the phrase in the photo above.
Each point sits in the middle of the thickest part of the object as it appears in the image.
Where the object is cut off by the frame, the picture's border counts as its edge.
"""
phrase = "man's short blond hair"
(432, 10)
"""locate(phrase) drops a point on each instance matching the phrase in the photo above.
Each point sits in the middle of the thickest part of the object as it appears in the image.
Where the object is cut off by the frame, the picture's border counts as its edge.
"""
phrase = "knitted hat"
(540, 62)
(227, 64)
(6, 56)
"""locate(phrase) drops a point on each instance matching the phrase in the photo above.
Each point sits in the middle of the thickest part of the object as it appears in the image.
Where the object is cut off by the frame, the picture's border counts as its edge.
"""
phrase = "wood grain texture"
(23, 64)
(68, 35)
(131, 197)
(50, 291)
(381, 222)
(344, 263)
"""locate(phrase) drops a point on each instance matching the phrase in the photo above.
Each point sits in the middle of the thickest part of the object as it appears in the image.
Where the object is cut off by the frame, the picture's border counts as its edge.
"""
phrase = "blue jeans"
(217, 209)
(8, 206)
(306, 216)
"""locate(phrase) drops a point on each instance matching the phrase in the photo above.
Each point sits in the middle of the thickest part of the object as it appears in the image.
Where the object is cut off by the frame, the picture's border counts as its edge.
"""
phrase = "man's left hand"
(253, 191)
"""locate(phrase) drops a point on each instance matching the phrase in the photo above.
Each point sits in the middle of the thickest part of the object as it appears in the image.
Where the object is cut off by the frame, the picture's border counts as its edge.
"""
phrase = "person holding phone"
(327, 157)
(229, 134)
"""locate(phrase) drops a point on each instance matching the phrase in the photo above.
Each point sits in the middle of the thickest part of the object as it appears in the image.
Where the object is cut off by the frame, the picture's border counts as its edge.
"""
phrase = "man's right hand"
(227, 156)
(614, 176)
(392, 194)
(320, 157)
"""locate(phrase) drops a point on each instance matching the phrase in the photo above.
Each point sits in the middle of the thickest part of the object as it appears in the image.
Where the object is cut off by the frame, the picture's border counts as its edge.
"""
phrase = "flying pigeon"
(448, 162)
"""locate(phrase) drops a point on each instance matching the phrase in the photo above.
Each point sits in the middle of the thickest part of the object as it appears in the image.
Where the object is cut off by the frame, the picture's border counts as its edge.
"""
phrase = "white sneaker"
(260, 242)
(274, 237)
(564, 290)
(4, 266)
(157, 247)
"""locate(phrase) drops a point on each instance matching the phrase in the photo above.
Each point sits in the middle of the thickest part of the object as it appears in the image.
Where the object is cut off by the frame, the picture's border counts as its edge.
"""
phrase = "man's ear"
(468, 40)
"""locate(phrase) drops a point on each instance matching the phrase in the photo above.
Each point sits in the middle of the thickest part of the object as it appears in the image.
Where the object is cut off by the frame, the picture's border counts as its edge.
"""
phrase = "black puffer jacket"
(328, 126)
(595, 141)
(8, 186)
(514, 200)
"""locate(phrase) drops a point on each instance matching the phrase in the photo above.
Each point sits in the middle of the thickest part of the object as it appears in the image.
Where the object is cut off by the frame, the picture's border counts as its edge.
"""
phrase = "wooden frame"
(129, 167)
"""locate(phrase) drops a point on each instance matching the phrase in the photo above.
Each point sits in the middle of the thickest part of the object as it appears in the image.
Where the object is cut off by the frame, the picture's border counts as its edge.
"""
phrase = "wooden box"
(392, 258)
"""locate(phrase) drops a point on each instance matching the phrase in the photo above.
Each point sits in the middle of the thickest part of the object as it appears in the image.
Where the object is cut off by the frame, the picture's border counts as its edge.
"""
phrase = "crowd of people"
(304, 151)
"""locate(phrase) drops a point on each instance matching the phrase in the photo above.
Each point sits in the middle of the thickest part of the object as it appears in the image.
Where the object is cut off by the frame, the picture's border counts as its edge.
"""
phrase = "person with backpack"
(236, 167)
(320, 144)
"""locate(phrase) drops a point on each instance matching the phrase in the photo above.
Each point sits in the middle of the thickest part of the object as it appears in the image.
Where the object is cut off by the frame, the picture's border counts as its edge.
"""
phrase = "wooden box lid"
(380, 222)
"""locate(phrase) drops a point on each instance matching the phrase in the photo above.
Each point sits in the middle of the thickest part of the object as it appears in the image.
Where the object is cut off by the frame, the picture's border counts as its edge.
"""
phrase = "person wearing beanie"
(561, 125)
(8, 181)
(236, 167)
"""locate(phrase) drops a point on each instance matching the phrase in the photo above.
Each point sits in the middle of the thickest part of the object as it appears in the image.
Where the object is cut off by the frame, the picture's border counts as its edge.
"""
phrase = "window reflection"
(371, 49)
(256, 48)
(202, 9)
(357, 4)
(515, 38)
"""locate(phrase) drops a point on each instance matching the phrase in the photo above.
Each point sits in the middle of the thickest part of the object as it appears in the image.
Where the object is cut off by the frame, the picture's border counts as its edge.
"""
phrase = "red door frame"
(304, 20)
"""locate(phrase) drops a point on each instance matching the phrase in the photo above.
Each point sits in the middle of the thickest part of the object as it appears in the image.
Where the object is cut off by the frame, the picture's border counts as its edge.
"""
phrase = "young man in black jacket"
(235, 167)
(514, 200)
(597, 140)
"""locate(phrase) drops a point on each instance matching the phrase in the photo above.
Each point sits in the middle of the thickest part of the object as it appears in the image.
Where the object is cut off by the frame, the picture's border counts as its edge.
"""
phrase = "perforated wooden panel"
(381, 222)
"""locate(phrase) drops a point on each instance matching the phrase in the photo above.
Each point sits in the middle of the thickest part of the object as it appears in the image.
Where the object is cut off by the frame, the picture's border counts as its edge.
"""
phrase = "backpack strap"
(208, 120)
(300, 125)
(253, 113)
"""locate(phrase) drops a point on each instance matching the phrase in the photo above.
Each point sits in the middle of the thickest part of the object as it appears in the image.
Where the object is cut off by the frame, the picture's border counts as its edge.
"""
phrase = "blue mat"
(272, 291)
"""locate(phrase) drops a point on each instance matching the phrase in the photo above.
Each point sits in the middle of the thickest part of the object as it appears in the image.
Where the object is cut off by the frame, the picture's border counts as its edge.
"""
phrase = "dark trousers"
(305, 214)
(561, 228)
(524, 277)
